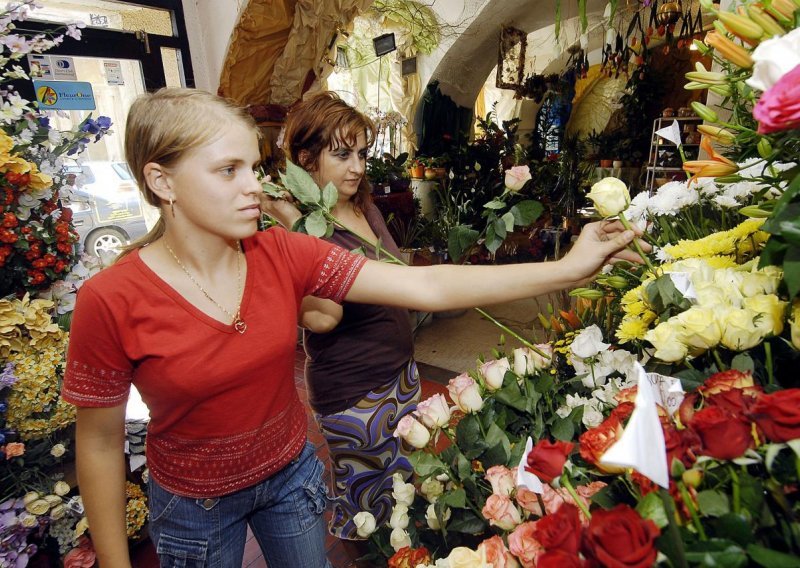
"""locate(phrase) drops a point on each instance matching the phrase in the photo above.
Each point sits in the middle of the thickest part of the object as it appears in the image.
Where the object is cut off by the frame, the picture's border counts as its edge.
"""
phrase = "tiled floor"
(433, 381)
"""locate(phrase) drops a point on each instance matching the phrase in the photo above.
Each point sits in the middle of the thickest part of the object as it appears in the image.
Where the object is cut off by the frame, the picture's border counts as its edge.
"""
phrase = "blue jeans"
(284, 512)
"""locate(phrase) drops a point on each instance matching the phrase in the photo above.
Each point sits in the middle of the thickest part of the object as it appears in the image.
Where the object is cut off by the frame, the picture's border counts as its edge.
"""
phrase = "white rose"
(57, 450)
(399, 518)
(773, 58)
(412, 432)
(517, 177)
(434, 411)
(493, 372)
(464, 392)
(739, 331)
(610, 196)
(399, 539)
(463, 557)
(28, 521)
(61, 488)
(58, 512)
(365, 523)
(588, 343)
(38, 507)
(403, 493)
(432, 520)
(701, 330)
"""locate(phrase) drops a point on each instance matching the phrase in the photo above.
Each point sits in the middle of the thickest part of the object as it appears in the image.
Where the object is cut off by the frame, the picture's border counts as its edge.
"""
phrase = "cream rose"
(771, 310)
(402, 492)
(38, 507)
(463, 557)
(434, 412)
(739, 331)
(28, 521)
(399, 518)
(465, 393)
(588, 343)
(755, 283)
(58, 512)
(433, 520)
(517, 177)
(365, 523)
(81, 527)
(500, 511)
(709, 295)
(773, 58)
(431, 488)
(701, 330)
(610, 196)
(667, 338)
(527, 361)
(61, 488)
(412, 432)
(493, 372)
(399, 539)
(57, 450)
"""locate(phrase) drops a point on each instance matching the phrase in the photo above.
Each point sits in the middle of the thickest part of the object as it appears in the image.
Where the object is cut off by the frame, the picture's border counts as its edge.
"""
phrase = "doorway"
(125, 50)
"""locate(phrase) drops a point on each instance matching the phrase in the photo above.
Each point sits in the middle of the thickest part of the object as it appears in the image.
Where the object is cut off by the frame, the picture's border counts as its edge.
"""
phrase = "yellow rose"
(39, 180)
(739, 331)
(28, 521)
(772, 313)
(53, 500)
(760, 282)
(668, 339)
(16, 165)
(610, 196)
(6, 143)
(81, 527)
(701, 329)
(30, 497)
(58, 512)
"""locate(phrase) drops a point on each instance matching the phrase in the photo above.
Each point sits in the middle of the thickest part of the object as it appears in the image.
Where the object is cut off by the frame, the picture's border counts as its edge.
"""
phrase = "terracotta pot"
(434, 173)
(417, 172)
(606, 163)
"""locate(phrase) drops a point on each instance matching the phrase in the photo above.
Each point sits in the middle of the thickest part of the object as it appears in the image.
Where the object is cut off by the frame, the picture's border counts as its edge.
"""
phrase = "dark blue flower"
(104, 122)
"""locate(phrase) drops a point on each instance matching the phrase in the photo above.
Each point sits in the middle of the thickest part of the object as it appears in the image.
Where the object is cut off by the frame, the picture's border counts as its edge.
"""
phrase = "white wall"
(209, 24)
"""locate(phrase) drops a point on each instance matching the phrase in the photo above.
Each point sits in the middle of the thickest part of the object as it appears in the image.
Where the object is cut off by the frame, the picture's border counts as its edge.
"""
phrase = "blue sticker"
(64, 95)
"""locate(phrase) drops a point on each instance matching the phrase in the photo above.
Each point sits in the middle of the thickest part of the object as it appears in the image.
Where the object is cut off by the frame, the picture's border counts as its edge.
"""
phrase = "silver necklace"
(236, 319)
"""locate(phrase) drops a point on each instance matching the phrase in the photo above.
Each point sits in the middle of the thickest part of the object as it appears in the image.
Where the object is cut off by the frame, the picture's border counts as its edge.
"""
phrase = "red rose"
(679, 444)
(778, 109)
(623, 410)
(735, 401)
(595, 442)
(722, 435)
(408, 557)
(620, 538)
(66, 214)
(560, 530)
(778, 415)
(726, 380)
(559, 559)
(546, 460)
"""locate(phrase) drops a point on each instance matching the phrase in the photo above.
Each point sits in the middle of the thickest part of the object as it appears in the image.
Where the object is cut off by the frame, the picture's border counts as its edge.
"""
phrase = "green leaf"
(499, 448)
(493, 241)
(329, 196)
(651, 507)
(526, 212)
(499, 228)
(791, 271)
(426, 464)
(713, 503)
(495, 204)
(316, 225)
(743, 362)
(511, 395)
(465, 521)
(772, 558)
(300, 184)
(508, 219)
(456, 499)
(736, 528)
(469, 437)
(562, 429)
(460, 239)
(716, 553)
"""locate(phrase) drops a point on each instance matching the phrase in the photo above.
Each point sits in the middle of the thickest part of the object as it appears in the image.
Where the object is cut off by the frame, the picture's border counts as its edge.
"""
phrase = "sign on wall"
(64, 95)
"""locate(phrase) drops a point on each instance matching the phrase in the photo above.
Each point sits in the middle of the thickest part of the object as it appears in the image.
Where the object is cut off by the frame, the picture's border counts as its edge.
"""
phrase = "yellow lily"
(734, 53)
(717, 133)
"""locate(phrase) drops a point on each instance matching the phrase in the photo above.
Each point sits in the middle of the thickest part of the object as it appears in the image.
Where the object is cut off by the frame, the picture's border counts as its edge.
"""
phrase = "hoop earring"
(172, 207)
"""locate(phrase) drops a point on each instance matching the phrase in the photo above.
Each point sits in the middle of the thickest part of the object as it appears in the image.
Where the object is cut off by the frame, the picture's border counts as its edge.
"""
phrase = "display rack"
(664, 160)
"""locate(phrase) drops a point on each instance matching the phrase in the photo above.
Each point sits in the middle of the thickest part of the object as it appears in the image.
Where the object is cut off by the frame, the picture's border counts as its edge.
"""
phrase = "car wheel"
(105, 240)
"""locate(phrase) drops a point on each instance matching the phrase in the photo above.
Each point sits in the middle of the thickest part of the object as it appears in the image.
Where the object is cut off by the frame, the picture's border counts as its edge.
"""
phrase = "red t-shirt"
(224, 412)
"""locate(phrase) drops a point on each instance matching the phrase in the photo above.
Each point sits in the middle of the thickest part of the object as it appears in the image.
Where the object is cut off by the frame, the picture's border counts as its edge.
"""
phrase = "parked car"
(107, 210)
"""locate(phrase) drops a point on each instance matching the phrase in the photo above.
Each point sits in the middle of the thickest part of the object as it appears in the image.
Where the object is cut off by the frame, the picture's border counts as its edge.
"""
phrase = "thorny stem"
(687, 499)
(578, 501)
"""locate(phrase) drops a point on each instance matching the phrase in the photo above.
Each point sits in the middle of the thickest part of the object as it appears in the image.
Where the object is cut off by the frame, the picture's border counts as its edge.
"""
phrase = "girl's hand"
(601, 243)
(281, 209)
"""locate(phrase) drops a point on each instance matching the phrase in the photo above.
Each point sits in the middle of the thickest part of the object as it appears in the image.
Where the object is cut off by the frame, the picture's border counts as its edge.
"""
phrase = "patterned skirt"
(365, 454)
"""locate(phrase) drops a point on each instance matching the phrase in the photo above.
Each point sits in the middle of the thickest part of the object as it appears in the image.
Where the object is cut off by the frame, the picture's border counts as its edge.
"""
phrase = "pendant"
(239, 325)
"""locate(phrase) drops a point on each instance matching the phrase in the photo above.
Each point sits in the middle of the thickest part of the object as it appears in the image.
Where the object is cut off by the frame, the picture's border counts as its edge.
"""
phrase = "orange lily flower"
(717, 166)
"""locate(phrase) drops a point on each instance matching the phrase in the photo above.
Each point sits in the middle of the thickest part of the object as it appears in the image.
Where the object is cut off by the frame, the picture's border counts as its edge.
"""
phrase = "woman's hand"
(601, 243)
(283, 210)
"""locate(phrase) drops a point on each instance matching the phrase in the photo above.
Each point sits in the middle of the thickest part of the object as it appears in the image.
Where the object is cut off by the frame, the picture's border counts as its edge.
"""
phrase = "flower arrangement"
(41, 272)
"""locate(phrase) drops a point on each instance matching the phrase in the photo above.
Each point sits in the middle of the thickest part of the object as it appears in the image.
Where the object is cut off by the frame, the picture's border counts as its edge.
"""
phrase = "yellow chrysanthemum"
(6, 143)
(739, 240)
(631, 329)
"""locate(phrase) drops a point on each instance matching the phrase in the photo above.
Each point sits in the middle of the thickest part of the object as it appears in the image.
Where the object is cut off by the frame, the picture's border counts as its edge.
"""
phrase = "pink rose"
(502, 479)
(500, 511)
(497, 555)
(778, 109)
(517, 177)
(528, 500)
(434, 411)
(464, 391)
(14, 449)
(524, 545)
(83, 556)
(412, 432)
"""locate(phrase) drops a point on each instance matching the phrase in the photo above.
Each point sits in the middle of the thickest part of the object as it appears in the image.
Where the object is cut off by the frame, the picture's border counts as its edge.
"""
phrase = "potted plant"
(388, 173)
(416, 168)
(434, 167)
